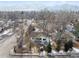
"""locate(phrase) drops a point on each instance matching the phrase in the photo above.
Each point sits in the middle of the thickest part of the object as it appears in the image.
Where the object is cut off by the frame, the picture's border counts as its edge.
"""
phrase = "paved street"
(6, 45)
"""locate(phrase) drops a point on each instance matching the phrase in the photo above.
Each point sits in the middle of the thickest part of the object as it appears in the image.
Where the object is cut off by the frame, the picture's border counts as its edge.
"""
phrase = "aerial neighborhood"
(41, 33)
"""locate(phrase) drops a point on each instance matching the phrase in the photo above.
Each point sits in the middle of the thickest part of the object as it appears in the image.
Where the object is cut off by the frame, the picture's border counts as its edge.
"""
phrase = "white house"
(69, 28)
(40, 38)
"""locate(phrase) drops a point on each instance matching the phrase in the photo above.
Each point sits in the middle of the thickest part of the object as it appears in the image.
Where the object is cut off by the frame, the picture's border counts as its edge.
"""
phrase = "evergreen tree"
(49, 48)
(68, 45)
(58, 42)
(76, 32)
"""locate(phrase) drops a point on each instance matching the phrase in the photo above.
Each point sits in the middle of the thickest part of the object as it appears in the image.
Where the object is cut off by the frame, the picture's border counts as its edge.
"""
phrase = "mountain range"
(38, 5)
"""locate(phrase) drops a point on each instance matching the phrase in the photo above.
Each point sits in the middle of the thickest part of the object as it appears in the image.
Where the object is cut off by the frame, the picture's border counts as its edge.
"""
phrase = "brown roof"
(34, 34)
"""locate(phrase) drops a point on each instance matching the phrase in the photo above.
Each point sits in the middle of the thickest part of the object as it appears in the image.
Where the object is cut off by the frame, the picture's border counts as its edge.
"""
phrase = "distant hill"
(66, 7)
(38, 5)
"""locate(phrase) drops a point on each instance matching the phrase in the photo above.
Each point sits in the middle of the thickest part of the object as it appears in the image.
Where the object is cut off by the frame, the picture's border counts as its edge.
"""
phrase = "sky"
(33, 5)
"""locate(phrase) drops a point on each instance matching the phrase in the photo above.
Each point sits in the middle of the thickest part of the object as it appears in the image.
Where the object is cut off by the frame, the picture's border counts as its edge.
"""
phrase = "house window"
(38, 38)
(44, 39)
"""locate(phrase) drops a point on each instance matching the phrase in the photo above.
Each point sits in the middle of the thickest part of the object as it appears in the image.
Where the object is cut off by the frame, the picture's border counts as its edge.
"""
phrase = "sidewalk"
(24, 54)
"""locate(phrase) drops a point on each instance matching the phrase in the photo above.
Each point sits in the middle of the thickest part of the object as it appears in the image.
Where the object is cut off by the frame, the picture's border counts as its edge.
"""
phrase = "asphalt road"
(6, 45)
